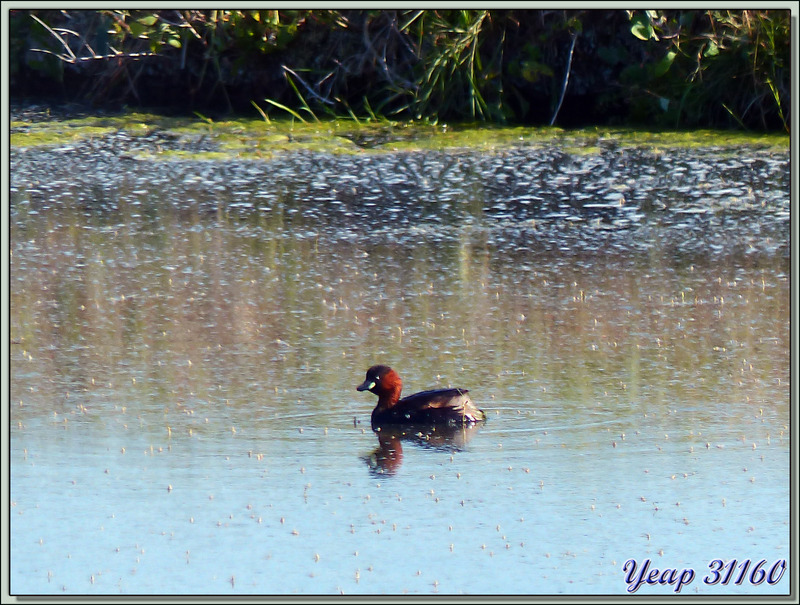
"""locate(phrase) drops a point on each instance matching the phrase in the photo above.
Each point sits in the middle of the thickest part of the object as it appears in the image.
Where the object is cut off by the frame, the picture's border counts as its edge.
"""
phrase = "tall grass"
(671, 67)
(719, 63)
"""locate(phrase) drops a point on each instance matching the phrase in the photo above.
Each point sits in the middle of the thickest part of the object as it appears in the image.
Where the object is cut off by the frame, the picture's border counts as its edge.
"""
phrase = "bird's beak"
(367, 385)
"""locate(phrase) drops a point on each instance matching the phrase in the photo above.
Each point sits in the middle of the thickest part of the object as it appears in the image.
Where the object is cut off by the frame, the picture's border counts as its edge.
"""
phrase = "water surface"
(188, 336)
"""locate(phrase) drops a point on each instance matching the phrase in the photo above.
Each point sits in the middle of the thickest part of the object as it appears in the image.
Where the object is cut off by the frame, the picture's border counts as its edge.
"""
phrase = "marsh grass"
(661, 68)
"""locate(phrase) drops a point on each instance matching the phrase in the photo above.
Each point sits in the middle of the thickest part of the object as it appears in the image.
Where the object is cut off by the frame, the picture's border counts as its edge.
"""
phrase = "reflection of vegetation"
(201, 310)
(674, 67)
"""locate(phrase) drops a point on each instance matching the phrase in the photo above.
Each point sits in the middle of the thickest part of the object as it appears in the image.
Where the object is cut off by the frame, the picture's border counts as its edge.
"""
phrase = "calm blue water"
(555, 502)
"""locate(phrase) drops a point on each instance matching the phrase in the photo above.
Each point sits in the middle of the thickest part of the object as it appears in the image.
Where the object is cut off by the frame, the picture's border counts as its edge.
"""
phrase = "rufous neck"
(390, 395)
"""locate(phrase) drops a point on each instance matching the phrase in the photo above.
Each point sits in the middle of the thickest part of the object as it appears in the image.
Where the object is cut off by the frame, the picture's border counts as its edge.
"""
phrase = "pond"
(188, 334)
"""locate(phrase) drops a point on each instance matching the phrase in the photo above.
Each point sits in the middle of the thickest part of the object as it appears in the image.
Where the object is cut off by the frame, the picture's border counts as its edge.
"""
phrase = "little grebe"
(441, 406)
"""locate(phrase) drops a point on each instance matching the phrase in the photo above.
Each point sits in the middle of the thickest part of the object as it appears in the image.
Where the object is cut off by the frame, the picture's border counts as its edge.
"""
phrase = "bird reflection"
(387, 458)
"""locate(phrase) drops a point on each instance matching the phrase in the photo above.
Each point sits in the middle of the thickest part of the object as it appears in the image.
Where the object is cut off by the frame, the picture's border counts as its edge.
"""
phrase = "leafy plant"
(733, 62)
(683, 68)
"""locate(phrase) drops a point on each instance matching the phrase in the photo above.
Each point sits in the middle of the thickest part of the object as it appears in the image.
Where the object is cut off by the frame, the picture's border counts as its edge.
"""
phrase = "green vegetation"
(673, 68)
(737, 65)
(181, 137)
(44, 133)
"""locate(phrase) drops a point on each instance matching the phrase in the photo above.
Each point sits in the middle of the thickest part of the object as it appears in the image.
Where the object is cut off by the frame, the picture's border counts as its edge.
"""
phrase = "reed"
(676, 68)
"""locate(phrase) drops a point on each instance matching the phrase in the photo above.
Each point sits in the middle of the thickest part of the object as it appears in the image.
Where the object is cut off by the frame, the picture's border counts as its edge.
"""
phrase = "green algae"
(268, 144)
(181, 154)
(683, 139)
(259, 139)
(33, 135)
